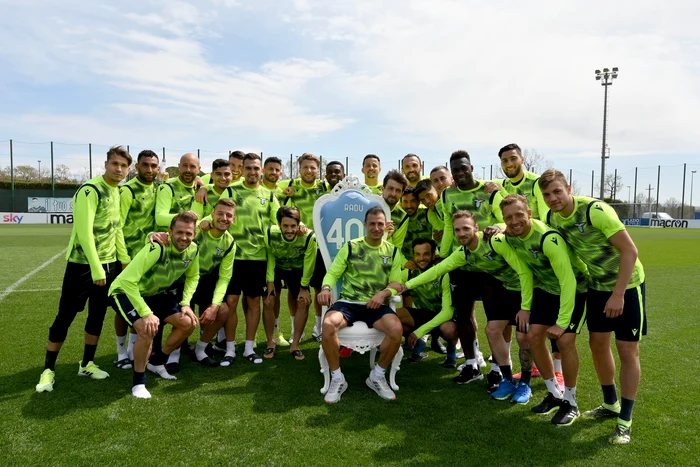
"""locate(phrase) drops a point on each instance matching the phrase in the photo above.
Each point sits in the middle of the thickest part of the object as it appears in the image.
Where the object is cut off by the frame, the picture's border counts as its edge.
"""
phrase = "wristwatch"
(326, 288)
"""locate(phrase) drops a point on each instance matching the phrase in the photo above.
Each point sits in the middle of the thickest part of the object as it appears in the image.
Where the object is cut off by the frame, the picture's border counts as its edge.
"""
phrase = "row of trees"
(29, 174)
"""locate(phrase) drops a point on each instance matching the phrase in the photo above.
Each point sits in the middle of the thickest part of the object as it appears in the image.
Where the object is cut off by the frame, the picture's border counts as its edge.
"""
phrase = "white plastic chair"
(338, 218)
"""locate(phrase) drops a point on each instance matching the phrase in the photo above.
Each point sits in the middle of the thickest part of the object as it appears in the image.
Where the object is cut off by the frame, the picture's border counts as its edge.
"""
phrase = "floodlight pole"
(692, 175)
(606, 77)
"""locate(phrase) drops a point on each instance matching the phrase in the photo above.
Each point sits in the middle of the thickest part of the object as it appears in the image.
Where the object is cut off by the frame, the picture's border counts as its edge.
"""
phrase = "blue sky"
(347, 78)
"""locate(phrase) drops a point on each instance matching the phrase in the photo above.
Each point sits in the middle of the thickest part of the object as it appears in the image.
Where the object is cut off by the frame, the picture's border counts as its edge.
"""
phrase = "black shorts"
(162, 305)
(248, 278)
(500, 304)
(319, 272)
(420, 316)
(466, 289)
(630, 326)
(291, 278)
(545, 310)
(205, 290)
(358, 312)
(78, 287)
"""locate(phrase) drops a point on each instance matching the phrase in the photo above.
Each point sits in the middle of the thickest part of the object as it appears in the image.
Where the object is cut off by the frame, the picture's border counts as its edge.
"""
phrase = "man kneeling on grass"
(365, 264)
(146, 293)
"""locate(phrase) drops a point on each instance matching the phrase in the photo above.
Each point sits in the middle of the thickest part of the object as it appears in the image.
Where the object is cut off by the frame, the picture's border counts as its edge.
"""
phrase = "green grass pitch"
(273, 414)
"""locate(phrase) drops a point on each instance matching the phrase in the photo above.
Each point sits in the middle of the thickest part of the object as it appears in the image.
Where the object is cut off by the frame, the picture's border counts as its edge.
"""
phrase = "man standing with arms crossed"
(616, 295)
(146, 293)
(96, 242)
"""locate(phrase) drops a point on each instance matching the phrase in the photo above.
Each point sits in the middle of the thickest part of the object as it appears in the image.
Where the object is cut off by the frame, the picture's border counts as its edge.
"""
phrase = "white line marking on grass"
(12, 288)
(36, 290)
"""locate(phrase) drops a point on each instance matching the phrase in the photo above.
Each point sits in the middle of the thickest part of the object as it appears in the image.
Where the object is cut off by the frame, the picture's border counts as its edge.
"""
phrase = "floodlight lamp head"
(606, 70)
(615, 69)
(597, 72)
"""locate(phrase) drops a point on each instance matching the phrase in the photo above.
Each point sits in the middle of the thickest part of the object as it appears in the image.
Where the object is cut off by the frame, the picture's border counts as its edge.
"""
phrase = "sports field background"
(274, 414)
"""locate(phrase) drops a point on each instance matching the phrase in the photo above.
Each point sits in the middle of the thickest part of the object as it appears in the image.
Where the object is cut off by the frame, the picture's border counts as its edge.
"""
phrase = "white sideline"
(12, 288)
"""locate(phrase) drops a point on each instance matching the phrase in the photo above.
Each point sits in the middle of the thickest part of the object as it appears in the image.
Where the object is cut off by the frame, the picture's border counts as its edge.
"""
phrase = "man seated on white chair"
(365, 265)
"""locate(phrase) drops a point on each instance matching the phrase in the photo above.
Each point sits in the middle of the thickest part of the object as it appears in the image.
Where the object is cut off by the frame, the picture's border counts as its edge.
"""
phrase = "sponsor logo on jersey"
(555, 241)
(634, 332)
(571, 326)
(87, 192)
(580, 226)
(385, 259)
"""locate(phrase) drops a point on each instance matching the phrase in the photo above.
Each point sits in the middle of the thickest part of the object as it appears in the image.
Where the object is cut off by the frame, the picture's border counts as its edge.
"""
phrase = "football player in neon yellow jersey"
(616, 294)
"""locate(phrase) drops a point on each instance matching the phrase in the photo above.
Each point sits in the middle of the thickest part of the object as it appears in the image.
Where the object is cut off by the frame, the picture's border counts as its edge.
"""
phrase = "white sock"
(130, 346)
(249, 348)
(221, 335)
(277, 324)
(199, 350)
(557, 365)
(378, 372)
(121, 348)
(318, 324)
(553, 388)
(495, 367)
(477, 350)
(230, 349)
(140, 391)
(570, 396)
(472, 362)
(337, 374)
(174, 356)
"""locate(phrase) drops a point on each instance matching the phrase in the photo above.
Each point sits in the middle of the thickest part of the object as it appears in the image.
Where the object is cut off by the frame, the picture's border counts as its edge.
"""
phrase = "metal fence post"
(53, 187)
(12, 176)
(683, 195)
(658, 189)
(634, 206)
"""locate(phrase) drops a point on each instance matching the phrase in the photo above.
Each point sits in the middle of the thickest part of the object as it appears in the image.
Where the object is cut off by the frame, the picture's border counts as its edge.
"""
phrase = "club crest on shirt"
(489, 256)
(219, 251)
(298, 249)
(534, 252)
(318, 191)
(262, 201)
(187, 262)
(526, 195)
(385, 259)
(435, 284)
(478, 202)
(580, 226)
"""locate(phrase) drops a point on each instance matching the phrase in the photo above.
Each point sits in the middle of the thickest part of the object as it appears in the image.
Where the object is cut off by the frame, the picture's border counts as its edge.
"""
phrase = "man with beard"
(429, 307)
(411, 166)
(177, 195)
(137, 213)
(272, 170)
(303, 193)
(148, 292)
(616, 295)
(558, 303)
(364, 264)
(371, 168)
(468, 195)
(256, 210)
(392, 189)
(501, 294)
(96, 243)
(290, 257)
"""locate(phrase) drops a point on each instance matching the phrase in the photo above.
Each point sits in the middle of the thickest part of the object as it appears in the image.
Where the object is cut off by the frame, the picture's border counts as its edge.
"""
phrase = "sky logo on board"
(12, 219)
